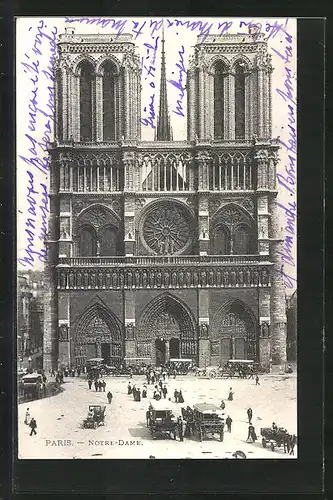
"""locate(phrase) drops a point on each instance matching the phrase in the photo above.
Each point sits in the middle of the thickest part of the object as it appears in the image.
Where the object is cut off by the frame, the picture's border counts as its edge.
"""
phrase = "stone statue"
(195, 279)
(121, 280)
(151, 279)
(79, 279)
(137, 279)
(211, 278)
(240, 278)
(71, 280)
(255, 278)
(265, 330)
(114, 280)
(174, 279)
(93, 280)
(129, 279)
(158, 279)
(107, 280)
(130, 331)
(247, 277)
(226, 278)
(144, 279)
(188, 279)
(204, 330)
(63, 333)
(264, 280)
(203, 277)
(86, 279)
(100, 280)
(166, 279)
(233, 278)
(181, 278)
(218, 278)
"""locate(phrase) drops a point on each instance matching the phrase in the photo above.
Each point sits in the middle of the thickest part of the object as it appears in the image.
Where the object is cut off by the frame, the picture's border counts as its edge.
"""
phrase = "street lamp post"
(29, 361)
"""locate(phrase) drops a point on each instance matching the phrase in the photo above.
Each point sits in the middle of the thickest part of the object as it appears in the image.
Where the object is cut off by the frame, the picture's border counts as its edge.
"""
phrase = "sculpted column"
(231, 110)
(129, 202)
(191, 126)
(99, 107)
(203, 190)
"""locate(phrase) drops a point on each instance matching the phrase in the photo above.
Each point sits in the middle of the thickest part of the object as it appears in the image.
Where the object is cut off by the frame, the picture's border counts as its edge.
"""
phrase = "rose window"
(166, 230)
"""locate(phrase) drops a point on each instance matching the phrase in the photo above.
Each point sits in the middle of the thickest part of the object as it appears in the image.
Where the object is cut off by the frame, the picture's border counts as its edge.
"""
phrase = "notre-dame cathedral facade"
(163, 249)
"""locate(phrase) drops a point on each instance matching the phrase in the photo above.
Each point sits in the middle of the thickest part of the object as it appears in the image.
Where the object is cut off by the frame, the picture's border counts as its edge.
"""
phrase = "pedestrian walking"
(180, 397)
(144, 391)
(231, 394)
(129, 388)
(78, 371)
(96, 385)
(138, 395)
(222, 405)
(228, 422)
(148, 417)
(176, 395)
(103, 385)
(100, 386)
(89, 383)
(33, 426)
(180, 428)
(164, 391)
(251, 437)
(257, 380)
(27, 417)
(249, 415)
(109, 396)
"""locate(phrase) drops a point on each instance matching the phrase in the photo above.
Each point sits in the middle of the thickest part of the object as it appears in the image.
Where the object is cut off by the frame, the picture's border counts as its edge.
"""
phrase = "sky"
(35, 46)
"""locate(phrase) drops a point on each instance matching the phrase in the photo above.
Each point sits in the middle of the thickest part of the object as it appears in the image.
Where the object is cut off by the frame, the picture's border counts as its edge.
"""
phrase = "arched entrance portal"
(98, 334)
(167, 330)
(234, 334)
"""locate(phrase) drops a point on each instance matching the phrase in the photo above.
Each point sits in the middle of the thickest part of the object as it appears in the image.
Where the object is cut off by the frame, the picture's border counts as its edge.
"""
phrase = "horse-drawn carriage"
(277, 438)
(95, 417)
(208, 419)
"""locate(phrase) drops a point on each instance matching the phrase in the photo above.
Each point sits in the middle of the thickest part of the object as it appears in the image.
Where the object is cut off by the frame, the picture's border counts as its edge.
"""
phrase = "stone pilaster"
(129, 320)
(278, 302)
(201, 104)
(99, 107)
(191, 107)
(231, 109)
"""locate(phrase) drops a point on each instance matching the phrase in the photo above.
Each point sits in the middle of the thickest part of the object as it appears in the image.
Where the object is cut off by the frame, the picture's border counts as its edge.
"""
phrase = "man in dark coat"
(109, 396)
(251, 437)
(176, 395)
(257, 380)
(180, 397)
(231, 394)
(33, 426)
(164, 391)
(89, 383)
(180, 428)
(228, 422)
(96, 385)
(129, 388)
(249, 415)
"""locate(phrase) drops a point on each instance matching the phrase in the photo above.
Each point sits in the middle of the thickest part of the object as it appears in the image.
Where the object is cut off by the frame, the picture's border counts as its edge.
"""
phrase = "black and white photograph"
(156, 238)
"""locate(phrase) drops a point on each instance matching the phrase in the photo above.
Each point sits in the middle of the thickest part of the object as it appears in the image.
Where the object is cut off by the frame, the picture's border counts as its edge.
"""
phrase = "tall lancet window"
(109, 109)
(86, 73)
(240, 101)
(219, 77)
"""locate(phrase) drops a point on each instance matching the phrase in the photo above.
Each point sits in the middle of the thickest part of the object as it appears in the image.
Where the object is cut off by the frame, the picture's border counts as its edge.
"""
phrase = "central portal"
(160, 348)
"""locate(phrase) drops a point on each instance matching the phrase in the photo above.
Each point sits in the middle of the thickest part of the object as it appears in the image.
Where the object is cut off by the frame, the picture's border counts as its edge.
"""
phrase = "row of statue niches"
(164, 279)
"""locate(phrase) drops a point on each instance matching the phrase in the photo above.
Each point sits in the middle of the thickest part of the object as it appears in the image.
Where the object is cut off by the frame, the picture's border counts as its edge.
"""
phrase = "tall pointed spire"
(163, 132)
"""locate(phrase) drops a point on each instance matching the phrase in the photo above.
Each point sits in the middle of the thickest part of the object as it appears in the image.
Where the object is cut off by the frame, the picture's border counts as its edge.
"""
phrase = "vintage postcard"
(156, 238)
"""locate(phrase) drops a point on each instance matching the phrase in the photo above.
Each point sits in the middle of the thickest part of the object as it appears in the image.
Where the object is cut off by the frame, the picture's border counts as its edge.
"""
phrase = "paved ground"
(125, 434)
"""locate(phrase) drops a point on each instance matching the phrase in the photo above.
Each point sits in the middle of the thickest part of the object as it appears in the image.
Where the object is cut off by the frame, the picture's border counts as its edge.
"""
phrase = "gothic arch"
(219, 58)
(242, 59)
(240, 226)
(96, 327)
(234, 332)
(113, 218)
(101, 61)
(77, 63)
(169, 317)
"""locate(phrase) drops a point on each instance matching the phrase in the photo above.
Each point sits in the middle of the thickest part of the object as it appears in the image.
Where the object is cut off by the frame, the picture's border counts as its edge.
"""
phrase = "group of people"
(99, 385)
(154, 375)
(136, 391)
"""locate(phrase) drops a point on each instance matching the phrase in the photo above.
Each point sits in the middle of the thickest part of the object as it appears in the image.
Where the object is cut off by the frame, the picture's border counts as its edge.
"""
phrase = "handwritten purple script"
(179, 83)
(287, 179)
(149, 69)
(38, 65)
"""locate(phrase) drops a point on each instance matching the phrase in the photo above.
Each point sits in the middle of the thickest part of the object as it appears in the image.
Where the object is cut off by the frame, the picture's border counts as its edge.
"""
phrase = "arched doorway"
(98, 334)
(234, 334)
(167, 330)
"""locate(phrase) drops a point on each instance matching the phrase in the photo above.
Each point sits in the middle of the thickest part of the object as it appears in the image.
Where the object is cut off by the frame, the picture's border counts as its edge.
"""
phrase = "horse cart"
(208, 419)
(95, 417)
(274, 438)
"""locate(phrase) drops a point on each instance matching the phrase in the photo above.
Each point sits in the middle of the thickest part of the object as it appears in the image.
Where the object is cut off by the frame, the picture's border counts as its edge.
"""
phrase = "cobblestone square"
(125, 435)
